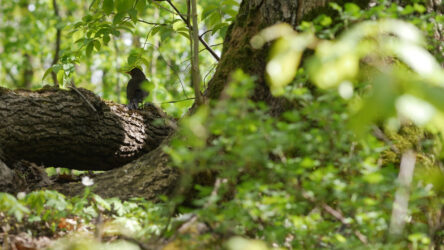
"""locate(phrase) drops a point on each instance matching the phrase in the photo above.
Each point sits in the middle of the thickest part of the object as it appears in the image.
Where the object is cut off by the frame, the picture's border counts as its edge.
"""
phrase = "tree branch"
(57, 43)
(186, 21)
(195, 72)
(151, 23)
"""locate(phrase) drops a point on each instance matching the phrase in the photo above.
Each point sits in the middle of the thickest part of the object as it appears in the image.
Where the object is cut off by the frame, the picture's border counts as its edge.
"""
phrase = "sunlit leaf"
(49, 70)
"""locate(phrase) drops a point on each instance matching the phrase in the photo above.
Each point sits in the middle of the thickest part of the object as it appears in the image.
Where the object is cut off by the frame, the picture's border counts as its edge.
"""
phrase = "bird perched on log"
(134, 92)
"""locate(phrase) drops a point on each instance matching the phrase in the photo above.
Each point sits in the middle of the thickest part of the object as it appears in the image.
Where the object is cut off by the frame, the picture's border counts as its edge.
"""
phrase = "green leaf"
(207, 11)
(165, 32)
(140, 6)
(132, 59)
(179, 25)
(60, 76)
(145, 61)
(124, 5)
(133, 15)
(49, 70)
(128, 26)
(94, 4)
(87, 18)
(115, 32)
(336, 7)
(184, 34)
(218, 27)
(214, 18)
(102, 202)
(230, 3)
(118, 17)
(352, 9)
(419, 8)
(155, 30)
(106, 39)
(108, 6)
(231, 12)
(97, 44)
(89, 49)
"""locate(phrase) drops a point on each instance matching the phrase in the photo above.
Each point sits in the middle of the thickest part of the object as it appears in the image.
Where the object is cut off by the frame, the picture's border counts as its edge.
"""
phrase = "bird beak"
(127, 72)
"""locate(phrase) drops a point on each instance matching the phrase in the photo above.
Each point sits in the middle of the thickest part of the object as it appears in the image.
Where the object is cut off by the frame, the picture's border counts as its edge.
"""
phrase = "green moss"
(411, 137)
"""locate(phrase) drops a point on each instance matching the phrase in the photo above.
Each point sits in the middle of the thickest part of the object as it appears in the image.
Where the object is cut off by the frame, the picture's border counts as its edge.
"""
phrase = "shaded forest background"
(319, 126)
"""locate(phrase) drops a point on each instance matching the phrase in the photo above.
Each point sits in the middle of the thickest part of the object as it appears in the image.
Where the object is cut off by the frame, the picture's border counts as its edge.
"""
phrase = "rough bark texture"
(253, 16)
(57, 128)
(237, 53)
(149, 177)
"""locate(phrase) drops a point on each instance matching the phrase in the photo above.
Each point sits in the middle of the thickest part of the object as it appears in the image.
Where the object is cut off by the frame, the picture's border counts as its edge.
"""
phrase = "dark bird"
(134, 92)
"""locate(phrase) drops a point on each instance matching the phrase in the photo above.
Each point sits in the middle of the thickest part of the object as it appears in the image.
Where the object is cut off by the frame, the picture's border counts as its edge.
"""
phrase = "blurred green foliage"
(385, 60)
(277, 174)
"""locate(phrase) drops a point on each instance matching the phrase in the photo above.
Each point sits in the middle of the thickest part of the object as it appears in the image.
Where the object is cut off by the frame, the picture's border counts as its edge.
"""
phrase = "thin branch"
(377, 132)
(207, 74)
(203, 34)
(73, 87)
(186, 21)
(151, 23)
(57, 43)
(164, 8)
(171, 67)
(214, 45)
(337, 214)
(187, 99)
(135, 241)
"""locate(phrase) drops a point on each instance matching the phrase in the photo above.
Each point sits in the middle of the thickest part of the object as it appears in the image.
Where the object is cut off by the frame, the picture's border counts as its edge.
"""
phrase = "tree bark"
(57, 128)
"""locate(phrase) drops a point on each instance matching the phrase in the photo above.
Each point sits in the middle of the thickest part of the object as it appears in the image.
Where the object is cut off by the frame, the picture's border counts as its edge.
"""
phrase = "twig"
(150, 23)
(135, 241)
(73, 87)
(191, 98)
(164, 8)
(337, 214)
(213, 45)
(207, 74)
(377, 132)
(57, 44)
(203, 34)
(171, 67)
(186, 21)
(214, 193)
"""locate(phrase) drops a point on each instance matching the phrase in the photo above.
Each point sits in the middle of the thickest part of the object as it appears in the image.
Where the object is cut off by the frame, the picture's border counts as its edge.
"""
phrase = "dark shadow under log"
(148, 177)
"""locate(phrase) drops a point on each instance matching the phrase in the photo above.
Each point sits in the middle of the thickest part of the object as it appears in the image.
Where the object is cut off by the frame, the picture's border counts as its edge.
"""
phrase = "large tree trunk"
(150, 175)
